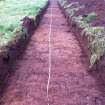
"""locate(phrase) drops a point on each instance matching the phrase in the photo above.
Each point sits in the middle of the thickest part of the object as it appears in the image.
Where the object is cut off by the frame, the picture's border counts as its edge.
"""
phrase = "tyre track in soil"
(70, 83)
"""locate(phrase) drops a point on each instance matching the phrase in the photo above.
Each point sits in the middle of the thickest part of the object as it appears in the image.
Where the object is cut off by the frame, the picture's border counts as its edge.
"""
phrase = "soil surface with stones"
(70, 82)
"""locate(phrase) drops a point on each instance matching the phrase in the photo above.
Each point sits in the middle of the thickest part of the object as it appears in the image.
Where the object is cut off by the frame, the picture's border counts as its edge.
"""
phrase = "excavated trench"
(70, 82)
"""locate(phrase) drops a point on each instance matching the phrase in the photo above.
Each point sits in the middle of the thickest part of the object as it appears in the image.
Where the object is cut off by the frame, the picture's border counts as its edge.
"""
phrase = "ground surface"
(70, 83)
(93, 6)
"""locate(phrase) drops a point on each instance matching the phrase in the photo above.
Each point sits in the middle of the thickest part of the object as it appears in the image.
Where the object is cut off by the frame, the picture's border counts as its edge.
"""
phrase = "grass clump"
(93, 32)
(71, 8)
(83, 21)
(96, 38)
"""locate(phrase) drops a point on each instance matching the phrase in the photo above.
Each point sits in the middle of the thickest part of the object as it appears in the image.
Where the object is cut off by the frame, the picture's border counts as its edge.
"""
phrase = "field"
(62, 62)
(11, 14)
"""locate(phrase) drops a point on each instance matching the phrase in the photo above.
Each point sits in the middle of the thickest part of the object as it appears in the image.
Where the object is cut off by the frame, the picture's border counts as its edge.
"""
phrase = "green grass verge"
(12, 11)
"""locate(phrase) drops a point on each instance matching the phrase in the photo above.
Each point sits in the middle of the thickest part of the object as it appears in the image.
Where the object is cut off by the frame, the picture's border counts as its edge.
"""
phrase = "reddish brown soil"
(70, 84)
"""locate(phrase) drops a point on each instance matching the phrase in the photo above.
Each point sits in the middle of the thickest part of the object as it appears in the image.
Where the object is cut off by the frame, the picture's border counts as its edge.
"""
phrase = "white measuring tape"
(50, 53)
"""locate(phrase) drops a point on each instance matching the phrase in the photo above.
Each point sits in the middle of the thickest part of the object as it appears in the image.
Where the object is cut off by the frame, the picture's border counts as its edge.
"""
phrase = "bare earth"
(70, 83)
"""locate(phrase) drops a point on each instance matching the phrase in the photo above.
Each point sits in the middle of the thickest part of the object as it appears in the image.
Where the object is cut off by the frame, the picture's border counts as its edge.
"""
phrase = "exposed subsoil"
(70, 83)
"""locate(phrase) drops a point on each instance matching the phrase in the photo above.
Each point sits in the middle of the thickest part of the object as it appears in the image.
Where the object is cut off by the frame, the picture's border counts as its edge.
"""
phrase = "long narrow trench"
(70, 83)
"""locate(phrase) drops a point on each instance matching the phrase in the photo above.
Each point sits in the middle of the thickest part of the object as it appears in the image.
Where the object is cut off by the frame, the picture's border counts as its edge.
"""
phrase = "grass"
(95, 36)
(83, 21)
(70, 8)
(12, 11)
